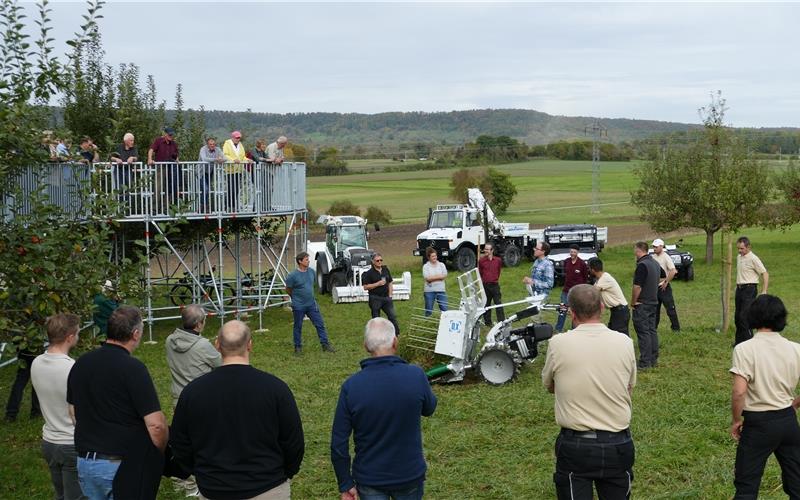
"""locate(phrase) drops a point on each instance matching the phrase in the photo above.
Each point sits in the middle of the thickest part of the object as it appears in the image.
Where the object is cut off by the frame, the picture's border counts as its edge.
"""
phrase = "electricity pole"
(597, 131)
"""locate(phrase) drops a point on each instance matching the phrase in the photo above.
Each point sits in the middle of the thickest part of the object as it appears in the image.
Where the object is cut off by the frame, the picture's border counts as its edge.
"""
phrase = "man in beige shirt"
(611, 294)
(765, 371)
(748, 270)
(664, 288)
(591, 370)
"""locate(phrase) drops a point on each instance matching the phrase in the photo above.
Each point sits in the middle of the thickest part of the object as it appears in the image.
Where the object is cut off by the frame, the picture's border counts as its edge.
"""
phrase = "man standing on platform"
(489, 267)
(664, 288)
(275, 149)
(378, 282)
(167, 178)
(592, 372)
(300, 287)
(644, 299)
(748, 269)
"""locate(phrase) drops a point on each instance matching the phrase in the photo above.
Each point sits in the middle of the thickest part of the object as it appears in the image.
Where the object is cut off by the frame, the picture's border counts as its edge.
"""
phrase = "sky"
(655, 61)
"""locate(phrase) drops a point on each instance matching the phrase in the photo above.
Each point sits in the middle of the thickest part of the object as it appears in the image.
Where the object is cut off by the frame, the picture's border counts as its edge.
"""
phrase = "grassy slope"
(496, 442)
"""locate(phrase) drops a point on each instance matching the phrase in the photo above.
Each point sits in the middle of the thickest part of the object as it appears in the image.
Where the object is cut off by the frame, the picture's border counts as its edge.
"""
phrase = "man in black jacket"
(237, 429)
(644, 299)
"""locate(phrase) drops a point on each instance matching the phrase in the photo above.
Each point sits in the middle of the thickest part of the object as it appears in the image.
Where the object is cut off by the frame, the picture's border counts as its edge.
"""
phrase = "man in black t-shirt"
(236, 428)
(644, 300)
(378, 282)
(120, 431)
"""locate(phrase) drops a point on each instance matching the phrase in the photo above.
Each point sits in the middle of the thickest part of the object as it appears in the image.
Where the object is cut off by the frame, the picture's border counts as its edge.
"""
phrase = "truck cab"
(455, 232)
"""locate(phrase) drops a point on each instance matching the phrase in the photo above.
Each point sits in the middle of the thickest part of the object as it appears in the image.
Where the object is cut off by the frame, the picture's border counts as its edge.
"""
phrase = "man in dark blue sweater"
(381, 406)
(237, 429)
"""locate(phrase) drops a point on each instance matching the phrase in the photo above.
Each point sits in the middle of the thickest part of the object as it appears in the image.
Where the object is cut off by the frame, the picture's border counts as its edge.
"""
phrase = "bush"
(344, 207)
(375, 214)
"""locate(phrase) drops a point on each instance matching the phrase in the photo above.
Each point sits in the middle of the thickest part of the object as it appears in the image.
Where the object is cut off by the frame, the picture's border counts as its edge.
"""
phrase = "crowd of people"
(106, 435)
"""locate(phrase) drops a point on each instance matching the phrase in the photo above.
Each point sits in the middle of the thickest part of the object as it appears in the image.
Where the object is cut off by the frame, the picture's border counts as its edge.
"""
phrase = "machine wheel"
(181, 295)
(337, 278)
(322, 280)
(498, 365)
(690, 273)
(511, 256)
(465, 259)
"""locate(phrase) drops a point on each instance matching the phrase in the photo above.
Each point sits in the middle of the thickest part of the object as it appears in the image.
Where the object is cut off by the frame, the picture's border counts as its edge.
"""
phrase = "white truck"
(457, 232)
(343, 257)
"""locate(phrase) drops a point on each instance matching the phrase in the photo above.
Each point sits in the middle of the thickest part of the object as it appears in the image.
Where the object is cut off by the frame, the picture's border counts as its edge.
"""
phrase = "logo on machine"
(455, 326)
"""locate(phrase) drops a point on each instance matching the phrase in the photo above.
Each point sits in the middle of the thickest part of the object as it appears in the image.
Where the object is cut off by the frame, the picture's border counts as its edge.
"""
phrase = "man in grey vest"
(644, 300)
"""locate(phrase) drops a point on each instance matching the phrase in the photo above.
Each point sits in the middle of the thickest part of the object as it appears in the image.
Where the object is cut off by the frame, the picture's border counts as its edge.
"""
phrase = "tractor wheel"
(337, 278)
(498, 365)
(690, 273)
(465, 259)
(322, 280)
(511, 256)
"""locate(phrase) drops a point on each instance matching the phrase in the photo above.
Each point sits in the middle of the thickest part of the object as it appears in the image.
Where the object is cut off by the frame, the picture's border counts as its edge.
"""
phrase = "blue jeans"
(413, 492)
(97, 477)
(315, 316)
(562, 316)
(439, 297)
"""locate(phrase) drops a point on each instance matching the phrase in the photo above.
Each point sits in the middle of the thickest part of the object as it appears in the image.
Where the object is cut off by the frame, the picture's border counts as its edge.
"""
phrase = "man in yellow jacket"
(235, 155)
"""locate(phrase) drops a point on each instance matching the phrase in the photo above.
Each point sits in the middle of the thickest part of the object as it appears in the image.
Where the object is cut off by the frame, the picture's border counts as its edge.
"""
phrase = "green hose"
(437, 371)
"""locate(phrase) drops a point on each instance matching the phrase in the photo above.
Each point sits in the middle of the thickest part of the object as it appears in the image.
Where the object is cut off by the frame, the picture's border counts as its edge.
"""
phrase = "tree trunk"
(709, 246)
(726, 275)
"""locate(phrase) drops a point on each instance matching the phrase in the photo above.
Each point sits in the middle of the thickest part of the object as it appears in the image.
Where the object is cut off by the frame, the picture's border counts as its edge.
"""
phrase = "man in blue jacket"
(381, 406)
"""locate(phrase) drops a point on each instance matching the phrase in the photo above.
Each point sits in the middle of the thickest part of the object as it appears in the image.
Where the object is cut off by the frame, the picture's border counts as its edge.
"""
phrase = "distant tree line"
(582, 150)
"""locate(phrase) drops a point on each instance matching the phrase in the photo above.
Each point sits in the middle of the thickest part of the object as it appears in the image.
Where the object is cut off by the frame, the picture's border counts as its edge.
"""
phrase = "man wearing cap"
(275, 150)
(748, 269)
(612, 296)
(576, 272)
(165, 150)
(235, 155)
(664, 288)
(592, 372)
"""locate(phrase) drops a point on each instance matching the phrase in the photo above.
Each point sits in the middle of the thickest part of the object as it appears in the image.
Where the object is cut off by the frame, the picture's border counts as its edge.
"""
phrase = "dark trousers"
(620, 317)
(644, 322)
(665, 297)
(603, 460)
(385, 304)
(62, 460)
(764, 433)
(15, 397)
(493, 296)
(745, 295)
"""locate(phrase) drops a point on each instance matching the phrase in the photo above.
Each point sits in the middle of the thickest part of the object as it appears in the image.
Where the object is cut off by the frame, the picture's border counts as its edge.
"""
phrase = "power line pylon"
(597, 131)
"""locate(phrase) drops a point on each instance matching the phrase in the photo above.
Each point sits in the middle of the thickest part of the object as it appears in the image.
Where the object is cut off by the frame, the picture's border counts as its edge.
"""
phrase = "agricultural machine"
(343, 257)
(505, 348)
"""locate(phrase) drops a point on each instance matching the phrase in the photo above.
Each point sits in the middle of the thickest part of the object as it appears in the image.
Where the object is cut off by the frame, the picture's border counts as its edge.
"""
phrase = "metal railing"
(166, 190)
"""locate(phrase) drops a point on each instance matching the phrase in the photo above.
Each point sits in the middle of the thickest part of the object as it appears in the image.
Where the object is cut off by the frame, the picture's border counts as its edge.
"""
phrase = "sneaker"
(298, 351)
(328, 348)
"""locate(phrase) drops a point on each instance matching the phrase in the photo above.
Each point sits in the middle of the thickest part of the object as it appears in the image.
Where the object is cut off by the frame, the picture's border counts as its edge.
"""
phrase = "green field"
(497, 442)
(548, 191)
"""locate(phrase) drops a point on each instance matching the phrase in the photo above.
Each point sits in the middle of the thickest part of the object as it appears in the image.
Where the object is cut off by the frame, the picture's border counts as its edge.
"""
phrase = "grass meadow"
(494, 442)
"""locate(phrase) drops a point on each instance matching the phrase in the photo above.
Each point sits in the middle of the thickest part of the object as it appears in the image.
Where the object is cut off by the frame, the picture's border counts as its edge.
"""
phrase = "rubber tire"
(322, 280)
(337, 278)
(181, 295)
(512, 256)
(465, 259)
(690, 273)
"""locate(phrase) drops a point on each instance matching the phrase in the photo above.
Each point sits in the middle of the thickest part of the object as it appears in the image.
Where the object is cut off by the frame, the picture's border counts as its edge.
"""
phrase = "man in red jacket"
(489, 267)
(576, 272)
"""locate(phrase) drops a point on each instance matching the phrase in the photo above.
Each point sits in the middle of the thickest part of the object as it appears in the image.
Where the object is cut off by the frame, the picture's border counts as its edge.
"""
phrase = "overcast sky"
(616, 60)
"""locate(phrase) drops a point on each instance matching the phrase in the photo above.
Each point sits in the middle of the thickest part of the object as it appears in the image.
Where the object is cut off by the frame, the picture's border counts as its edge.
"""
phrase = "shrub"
(344, 207)
(375, 214)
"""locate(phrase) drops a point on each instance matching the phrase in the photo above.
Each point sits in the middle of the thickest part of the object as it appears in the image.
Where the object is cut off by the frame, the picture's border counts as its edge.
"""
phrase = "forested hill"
(451, 128)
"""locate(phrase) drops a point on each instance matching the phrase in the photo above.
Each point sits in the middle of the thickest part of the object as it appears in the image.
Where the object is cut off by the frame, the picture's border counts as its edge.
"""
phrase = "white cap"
(658, 242)
(107, 286)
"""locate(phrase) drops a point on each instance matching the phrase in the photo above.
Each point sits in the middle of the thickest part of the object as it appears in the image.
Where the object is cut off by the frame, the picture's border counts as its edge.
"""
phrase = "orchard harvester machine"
(504, 349)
